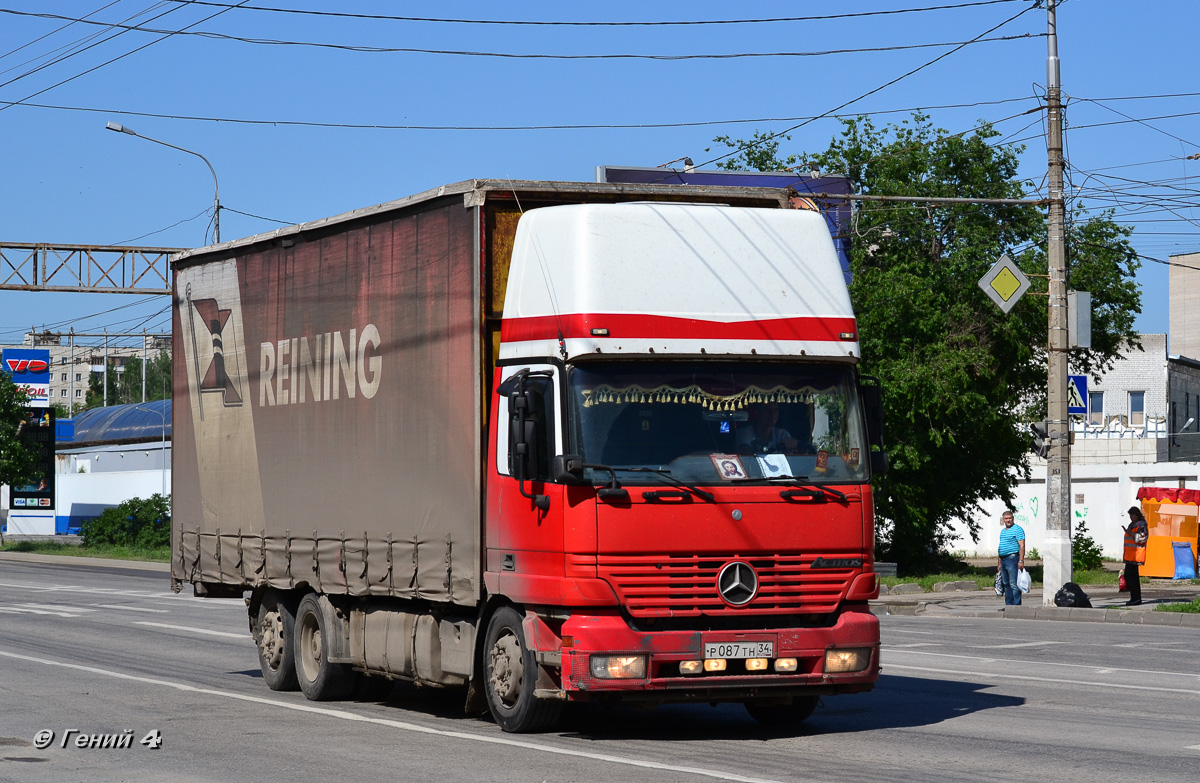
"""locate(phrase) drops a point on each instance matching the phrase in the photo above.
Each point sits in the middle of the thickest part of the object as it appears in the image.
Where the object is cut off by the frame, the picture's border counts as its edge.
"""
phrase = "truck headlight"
(849, 660)
(619, 667)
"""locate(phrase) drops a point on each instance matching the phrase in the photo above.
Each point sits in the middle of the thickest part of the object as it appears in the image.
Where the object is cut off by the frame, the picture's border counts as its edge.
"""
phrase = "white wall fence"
(1100, 495)
(80, 496)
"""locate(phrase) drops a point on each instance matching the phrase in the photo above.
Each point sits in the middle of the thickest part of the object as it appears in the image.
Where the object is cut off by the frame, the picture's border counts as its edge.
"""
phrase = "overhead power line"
(55, 31)
(168, 34)
(868, 93)
(91, 40)
(541, 23)
(1128, 97)
(579, 126)
(522, 56)
(1141, 122)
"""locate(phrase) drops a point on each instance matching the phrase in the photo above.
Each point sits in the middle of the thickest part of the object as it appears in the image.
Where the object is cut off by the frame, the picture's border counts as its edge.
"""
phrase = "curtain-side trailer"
(548, 441)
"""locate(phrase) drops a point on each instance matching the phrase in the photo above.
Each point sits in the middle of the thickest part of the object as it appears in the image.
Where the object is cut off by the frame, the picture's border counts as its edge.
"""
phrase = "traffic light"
(1041, 439)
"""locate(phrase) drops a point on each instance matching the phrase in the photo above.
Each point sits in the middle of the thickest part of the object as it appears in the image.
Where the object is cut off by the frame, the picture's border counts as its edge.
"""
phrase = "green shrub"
(1086, 554)
(1193, 607)
(140, 523)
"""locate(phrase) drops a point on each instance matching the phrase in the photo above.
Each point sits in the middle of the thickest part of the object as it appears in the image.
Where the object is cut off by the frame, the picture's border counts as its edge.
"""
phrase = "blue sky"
(67, 180)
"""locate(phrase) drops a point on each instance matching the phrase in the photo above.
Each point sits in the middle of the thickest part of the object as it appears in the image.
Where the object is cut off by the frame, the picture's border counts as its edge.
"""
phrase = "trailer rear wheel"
(783, 714)
(273, 634)
(320, 679)
(510, 675)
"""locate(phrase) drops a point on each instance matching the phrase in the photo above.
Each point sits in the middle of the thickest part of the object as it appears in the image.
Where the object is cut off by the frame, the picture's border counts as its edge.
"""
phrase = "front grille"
(686, 585)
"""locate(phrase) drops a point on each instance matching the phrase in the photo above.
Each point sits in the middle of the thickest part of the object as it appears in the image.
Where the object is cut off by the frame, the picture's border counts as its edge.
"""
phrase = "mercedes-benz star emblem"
(737, 583)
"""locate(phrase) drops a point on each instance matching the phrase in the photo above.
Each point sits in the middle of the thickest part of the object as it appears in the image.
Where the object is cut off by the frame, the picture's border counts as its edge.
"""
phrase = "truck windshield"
(709, 422)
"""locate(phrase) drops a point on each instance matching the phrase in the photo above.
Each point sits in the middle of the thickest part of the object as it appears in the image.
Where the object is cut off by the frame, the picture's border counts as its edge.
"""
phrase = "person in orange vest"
(1136, 536)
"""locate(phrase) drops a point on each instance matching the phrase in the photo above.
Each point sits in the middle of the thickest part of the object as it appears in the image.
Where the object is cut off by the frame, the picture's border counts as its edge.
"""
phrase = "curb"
(1124, 616)
(93, 562)
(1060, 614)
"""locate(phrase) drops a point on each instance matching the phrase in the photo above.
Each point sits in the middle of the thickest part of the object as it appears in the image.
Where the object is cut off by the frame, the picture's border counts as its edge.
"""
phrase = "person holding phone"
(1136, 536)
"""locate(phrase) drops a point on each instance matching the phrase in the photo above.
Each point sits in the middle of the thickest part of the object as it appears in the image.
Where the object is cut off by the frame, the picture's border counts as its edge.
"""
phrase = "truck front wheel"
(510, 676)
(320, 679)
(273, 634)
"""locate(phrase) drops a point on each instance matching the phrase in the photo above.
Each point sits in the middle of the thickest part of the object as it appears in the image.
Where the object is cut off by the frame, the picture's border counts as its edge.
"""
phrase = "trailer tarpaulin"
(327, 412)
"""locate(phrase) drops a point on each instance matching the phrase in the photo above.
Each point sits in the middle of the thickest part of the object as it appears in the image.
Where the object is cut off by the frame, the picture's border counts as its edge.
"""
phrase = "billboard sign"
(836, 211)
(30, 370)
(38, 434)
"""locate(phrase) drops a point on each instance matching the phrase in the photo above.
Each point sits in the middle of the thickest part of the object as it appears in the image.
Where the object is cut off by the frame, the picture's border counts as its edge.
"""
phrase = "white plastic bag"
(1024, 581)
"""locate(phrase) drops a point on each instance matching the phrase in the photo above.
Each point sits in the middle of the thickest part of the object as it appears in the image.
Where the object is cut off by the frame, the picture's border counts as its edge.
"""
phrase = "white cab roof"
(676, 279)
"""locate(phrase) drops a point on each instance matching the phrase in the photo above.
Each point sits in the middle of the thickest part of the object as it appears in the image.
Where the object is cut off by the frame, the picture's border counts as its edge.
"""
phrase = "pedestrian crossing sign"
(1077, 394)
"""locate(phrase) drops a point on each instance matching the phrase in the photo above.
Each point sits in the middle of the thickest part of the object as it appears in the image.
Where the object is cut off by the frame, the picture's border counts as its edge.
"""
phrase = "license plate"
(737, 650)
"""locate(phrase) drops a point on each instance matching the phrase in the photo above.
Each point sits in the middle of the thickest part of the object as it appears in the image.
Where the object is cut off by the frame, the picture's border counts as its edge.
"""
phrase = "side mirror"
(568, 469)
(523, 453)
(879, 463)
(522, 447)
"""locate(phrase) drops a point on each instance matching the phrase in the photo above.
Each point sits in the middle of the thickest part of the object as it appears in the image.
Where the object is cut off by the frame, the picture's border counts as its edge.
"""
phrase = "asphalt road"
(102, 651)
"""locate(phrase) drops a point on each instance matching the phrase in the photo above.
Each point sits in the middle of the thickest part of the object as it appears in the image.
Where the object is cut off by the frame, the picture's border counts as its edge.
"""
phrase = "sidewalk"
(94, 562)
(1109, 605)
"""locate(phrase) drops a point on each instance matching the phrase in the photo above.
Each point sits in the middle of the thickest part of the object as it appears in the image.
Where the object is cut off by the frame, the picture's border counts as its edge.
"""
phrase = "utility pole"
(1057, 552)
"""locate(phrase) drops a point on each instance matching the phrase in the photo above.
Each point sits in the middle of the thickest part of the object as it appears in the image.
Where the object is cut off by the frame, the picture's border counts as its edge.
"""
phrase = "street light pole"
(119, 128)
(1057, 552)
(162, 416)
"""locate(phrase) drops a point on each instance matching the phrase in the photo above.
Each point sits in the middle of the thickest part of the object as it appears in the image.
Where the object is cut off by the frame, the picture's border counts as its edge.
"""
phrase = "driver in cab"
(761, 436)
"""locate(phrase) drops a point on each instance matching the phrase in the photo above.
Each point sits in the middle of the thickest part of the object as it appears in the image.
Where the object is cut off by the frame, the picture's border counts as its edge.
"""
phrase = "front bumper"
(609, 634)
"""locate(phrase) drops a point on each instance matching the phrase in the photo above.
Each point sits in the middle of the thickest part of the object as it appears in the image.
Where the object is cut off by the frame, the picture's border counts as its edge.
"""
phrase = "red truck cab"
(678, 489)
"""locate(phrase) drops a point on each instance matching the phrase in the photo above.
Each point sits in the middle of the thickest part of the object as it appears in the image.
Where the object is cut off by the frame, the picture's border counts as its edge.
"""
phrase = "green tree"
(960, 378)
(759, 153)
(16, 460)
(126, 386)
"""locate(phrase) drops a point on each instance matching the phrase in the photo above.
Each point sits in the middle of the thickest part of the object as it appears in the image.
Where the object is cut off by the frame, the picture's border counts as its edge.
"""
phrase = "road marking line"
(1048, 679)
(1191, 747)
(195, 630)
(31, 610)
(1011, 646)
(131, 608)
(56, 607)
(914, 644)
(402, 725)
(1041, 663)
(154, 595)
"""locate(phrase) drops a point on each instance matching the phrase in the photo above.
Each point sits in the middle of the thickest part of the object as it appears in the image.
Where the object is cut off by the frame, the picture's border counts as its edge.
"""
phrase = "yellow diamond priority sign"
(1004, 283)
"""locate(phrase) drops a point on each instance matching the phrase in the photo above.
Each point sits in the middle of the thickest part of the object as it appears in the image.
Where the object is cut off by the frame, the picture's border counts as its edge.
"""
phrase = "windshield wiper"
(700, 493)
(830, 490)
(800, 482)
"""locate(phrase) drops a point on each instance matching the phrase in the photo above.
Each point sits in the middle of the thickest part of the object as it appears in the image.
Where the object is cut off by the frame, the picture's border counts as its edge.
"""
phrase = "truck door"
(525, 507)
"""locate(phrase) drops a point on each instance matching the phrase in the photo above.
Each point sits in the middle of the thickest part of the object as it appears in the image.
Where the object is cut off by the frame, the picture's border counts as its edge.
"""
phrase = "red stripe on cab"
(579, 325)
